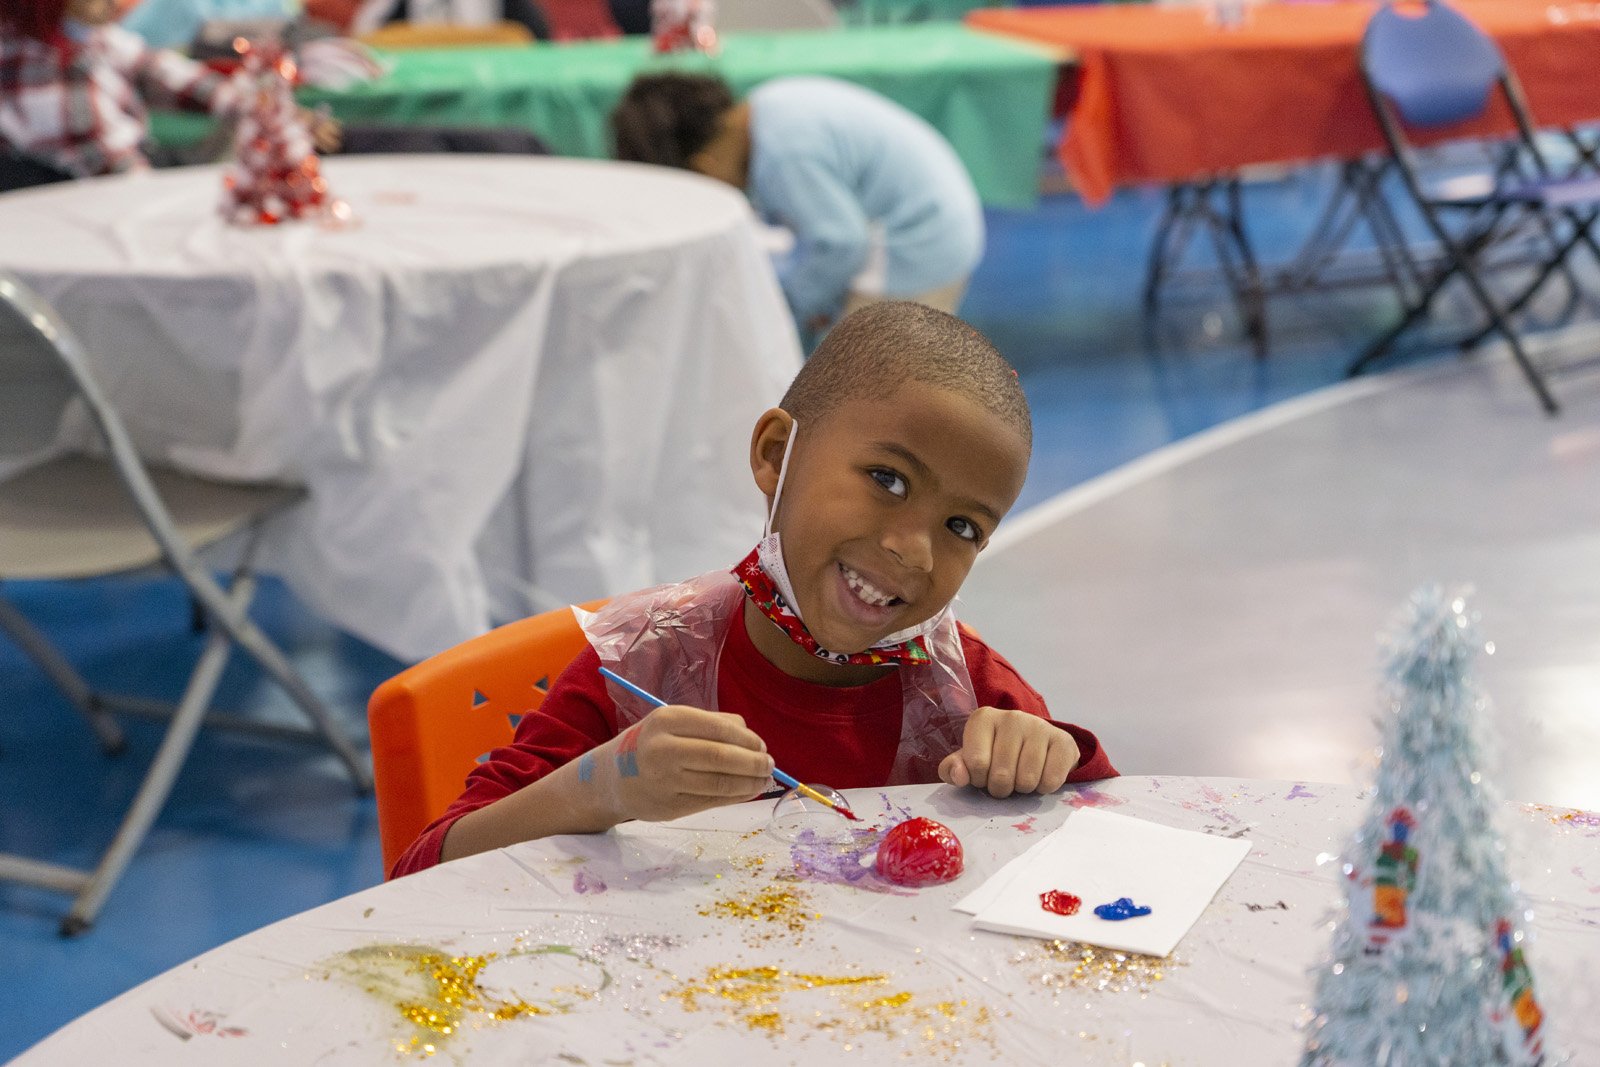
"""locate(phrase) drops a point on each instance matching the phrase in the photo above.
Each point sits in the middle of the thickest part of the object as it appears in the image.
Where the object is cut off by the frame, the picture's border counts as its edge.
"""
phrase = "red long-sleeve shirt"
(846, 737)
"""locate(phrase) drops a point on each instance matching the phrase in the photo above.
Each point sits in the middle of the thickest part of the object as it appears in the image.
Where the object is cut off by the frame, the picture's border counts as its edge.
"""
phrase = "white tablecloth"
(695, 943)
(514, 382)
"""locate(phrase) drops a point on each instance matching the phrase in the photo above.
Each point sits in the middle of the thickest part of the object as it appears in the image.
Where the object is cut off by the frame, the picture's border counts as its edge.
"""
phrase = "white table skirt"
(647, 945)
(514, 382)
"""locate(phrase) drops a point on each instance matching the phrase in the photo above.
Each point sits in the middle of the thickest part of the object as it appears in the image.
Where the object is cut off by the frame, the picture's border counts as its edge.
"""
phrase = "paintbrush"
(786, 779)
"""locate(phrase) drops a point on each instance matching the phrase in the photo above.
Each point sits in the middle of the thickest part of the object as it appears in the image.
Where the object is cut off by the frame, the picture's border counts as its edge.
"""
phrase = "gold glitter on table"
(435, 992)
(787, 907)
(1074, 965)
(763, 999)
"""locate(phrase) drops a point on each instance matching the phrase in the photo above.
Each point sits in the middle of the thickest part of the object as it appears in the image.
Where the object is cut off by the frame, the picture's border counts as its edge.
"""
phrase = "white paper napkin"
(1099, 857)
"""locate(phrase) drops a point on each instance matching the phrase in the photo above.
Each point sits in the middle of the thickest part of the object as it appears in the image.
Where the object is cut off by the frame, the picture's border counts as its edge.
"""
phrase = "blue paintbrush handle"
(654, 700)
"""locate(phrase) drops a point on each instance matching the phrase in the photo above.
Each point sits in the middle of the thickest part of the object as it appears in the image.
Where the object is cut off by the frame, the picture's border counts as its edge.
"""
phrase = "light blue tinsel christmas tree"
(1426, 967)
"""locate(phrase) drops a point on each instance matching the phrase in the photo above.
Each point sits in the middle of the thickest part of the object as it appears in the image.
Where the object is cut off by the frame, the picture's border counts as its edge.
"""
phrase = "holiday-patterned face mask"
(765, 578)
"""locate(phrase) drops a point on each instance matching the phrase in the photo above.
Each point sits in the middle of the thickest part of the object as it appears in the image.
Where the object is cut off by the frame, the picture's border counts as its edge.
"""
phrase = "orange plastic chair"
(447, 35)
(431, 722)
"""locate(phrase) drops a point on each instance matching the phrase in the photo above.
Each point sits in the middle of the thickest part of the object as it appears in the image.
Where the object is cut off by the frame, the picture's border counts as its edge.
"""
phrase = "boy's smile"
(885, 506)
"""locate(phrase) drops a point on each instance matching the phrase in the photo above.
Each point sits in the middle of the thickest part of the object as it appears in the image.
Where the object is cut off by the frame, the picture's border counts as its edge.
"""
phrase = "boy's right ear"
(767, 443)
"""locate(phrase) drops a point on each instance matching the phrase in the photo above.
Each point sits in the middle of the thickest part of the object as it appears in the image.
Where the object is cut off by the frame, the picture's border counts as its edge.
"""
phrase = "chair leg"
(35, 645)
(1557, 260)
(1378, 348)
(157, 785)
(1497, 317)
(229, 612)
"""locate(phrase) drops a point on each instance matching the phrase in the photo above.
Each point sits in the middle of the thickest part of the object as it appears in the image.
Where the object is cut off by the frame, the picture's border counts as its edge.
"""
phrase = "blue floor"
(255, 832)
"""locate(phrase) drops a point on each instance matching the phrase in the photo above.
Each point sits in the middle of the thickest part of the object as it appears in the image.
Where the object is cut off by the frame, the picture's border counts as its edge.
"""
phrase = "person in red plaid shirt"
(74, 87)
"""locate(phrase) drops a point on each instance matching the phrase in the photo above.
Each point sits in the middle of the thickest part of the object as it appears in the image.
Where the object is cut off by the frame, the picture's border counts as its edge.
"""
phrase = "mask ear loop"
(783, 472)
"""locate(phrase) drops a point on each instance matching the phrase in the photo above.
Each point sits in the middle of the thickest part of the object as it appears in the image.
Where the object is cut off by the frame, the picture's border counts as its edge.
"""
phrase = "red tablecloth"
(1165, 96)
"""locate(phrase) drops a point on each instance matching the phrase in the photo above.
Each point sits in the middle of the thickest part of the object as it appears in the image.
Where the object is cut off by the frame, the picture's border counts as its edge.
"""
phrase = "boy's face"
(92, 12)
(886, 505)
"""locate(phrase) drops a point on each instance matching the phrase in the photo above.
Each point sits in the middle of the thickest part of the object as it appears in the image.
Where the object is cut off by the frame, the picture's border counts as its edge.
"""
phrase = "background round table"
(711, 940)
(509, 383)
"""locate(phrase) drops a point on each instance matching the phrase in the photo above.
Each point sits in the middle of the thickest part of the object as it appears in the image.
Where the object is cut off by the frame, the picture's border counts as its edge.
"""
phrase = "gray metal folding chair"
(67, 514)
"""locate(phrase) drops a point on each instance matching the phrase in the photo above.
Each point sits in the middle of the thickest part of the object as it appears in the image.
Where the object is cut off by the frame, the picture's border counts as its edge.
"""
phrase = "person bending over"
(879, 204)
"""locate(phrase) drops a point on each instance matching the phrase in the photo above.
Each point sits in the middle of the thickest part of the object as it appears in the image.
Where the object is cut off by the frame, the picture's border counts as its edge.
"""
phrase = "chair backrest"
(446, 35)
(35, 384)
(432, 722)
(1433, 65)
(44, 373)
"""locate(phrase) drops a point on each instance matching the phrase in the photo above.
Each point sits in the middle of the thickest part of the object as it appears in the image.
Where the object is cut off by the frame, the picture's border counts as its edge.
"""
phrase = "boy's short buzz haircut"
(873, 351)
(667, 118)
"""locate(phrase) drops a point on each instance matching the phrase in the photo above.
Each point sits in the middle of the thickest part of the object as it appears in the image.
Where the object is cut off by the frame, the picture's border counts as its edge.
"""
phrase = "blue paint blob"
(1121, 908)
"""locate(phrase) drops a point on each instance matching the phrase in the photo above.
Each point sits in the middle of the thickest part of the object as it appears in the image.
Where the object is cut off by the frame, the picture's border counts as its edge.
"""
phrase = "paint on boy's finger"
(628, 754)
(586, 767)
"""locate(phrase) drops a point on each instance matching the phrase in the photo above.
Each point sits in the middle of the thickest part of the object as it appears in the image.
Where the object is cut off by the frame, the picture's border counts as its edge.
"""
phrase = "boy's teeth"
(865, 589)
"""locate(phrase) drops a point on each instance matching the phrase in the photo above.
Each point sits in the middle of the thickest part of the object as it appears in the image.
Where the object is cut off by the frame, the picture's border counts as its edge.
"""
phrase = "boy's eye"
(889, 480)
(964, 529)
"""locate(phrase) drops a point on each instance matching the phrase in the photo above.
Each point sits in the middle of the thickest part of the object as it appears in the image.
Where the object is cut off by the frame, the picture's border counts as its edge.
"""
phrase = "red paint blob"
(1060, 903)
(919, 852)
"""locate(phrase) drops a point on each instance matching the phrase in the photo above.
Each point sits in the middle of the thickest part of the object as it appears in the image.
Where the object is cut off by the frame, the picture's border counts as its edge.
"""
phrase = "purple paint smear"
(584, 882)
(1299, 791)
(1090, 797)
(842, 861)
(892, 809)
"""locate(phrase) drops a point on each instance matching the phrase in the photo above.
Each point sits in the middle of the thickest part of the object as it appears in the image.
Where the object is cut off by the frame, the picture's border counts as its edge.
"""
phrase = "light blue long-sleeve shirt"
(173, 23)
(829, 159)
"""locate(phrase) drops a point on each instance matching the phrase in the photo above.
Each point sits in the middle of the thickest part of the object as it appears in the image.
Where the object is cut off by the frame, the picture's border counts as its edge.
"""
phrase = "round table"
(712, 940)
(510, 382)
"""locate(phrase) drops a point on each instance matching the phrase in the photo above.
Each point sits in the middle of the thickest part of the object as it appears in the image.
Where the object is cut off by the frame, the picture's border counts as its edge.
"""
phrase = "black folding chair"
(20, 172)
(1435, 69)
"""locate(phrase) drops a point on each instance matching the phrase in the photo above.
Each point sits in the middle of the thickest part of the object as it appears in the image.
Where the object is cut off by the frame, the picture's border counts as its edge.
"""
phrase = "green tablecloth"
(988, 95)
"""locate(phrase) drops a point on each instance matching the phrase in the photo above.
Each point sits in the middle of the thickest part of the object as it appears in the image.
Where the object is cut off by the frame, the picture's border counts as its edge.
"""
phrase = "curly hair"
(873, 351)
(39, 19)
(667, 119)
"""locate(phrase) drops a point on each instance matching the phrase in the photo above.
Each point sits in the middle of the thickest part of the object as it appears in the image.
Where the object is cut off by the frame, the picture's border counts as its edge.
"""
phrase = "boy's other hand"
(678, 760)
(1007, 752)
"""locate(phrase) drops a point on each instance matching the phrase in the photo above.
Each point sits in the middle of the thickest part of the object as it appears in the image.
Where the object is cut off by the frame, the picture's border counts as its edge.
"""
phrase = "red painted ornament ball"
(919, 852)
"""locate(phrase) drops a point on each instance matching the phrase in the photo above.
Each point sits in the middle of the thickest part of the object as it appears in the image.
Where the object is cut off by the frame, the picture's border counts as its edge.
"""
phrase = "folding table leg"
(1171, 237)
(1190, 205)
(1251, 294)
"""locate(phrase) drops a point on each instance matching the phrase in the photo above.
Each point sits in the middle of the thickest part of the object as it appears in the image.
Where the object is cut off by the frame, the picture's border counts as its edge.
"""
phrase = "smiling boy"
(831, 650)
